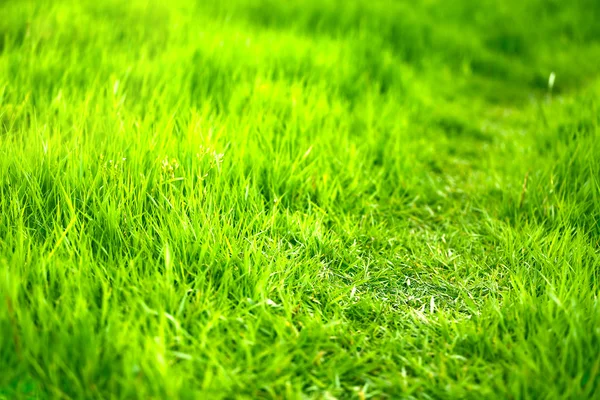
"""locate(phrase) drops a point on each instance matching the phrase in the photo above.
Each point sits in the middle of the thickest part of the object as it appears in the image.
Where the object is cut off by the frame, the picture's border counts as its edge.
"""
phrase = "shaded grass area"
(299, 199)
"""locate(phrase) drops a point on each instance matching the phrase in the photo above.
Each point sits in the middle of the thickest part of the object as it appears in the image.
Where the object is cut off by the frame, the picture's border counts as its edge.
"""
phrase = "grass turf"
(286, 199)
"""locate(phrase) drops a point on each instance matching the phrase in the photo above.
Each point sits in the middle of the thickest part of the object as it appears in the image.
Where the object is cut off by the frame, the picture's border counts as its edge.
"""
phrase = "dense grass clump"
(290, 199)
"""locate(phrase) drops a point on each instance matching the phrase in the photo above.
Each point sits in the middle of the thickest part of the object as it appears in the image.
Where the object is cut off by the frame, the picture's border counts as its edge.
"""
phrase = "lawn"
(299, 199)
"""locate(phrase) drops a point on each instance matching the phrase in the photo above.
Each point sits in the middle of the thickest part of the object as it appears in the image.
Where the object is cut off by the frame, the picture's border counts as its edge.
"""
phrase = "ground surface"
(285, 199)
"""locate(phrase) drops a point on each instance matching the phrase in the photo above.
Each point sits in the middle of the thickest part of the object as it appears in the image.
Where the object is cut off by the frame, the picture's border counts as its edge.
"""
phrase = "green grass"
(299, 199)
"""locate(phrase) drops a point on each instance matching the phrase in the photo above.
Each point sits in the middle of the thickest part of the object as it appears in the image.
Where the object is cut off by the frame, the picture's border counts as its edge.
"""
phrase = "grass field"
(300, 199)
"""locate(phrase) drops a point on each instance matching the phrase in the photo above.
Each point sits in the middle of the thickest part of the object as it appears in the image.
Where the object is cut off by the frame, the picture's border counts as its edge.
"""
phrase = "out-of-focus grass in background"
(285, 199)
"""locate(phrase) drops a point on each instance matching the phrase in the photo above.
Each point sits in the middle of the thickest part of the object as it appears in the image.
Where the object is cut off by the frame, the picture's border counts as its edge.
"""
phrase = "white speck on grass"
(307, 152)
(551, 80)
(272, 303)
(181, 356)
(432, 305)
